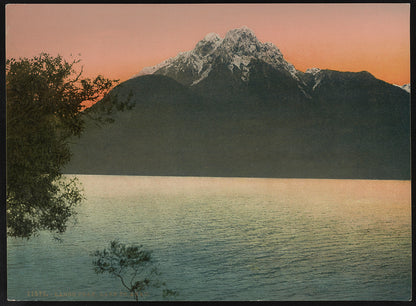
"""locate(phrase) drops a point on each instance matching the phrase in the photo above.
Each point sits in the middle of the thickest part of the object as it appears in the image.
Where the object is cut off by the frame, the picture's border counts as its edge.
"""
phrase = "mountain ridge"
(247, 117)
(202, 54)
(237, 49)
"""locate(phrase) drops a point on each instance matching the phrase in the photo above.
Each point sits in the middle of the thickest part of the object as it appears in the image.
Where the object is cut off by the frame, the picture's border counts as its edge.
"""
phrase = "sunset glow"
(119, 40)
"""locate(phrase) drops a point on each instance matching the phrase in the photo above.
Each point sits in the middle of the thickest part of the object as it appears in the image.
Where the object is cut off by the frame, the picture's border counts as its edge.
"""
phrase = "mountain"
(234, 106)
(405, 87)
(236, 50)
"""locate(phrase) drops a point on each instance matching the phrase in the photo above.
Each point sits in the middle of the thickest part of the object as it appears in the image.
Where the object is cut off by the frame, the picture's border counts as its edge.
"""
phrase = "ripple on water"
(233, 239)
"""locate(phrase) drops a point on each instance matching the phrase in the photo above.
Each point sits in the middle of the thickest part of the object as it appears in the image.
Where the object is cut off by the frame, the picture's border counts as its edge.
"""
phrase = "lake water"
(230, 239)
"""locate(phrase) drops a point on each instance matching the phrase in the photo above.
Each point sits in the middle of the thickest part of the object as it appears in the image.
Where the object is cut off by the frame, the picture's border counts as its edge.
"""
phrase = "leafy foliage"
(129, 263)
(103, 112)
(45, 97)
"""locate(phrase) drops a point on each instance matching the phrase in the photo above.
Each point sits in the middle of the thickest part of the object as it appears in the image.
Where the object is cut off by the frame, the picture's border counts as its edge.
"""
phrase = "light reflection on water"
(231, 239)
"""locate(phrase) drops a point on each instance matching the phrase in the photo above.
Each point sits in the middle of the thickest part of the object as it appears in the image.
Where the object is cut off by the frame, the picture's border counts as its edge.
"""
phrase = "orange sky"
(118, 40)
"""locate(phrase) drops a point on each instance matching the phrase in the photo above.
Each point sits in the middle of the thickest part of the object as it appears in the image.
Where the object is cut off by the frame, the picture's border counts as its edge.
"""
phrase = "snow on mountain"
(152, 69)
(313, 71)
(237, 49)
(405, 87)
(316, 75)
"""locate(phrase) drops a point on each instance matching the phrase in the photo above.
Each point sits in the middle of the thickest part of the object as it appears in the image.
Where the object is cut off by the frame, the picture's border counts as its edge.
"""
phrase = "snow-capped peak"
(405, 87)
(152, 69)
(207, 45)
(243, 33)
(317, 76)
(237, 49)
(313, 71)
(212, 37)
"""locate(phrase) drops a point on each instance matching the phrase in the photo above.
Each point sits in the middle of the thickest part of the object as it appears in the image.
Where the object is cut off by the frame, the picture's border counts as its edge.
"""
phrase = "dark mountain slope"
(235, 107)
(175, 131)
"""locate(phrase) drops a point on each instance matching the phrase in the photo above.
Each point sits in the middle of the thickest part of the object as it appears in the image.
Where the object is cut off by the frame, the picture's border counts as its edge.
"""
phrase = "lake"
(229, 239)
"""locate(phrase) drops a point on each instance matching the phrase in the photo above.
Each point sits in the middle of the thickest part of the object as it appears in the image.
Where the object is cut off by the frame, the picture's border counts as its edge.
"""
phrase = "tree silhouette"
(45, 97)
(132, 265)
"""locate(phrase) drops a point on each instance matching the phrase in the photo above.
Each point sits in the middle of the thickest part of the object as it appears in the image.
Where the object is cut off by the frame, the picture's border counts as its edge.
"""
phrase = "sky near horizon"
(119, 40)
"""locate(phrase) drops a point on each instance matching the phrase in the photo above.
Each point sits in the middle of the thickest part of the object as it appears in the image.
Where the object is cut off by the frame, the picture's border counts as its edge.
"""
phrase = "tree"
(127, 263)
(45, 97)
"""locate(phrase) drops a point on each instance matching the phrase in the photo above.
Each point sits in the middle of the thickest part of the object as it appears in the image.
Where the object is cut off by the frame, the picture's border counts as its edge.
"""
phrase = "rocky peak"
(406, 87)
(237, 49)
(212, 37)
(313, 71)
(239, 35)
(208, 44)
